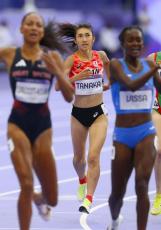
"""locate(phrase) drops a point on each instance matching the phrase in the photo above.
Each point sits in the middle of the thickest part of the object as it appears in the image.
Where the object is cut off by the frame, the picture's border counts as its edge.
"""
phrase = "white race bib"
(32, 92)
(141, 99)
(89, 86)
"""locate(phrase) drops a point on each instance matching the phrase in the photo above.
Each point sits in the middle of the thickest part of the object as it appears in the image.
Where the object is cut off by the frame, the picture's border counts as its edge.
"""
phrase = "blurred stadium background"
(107, 17)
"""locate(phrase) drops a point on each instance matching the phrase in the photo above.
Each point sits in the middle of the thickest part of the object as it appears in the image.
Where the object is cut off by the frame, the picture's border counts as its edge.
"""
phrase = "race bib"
(141, 99)
(89, 86)
(32, 92)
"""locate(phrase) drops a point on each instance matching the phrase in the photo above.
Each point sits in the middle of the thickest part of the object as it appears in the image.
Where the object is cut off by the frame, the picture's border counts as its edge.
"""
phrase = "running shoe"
(85, 206)
(81, 193)
(45, 211)
(156, 208)
(116, 223)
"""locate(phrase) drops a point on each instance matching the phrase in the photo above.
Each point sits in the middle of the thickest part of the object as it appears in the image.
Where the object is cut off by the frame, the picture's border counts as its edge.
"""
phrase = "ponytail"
(52, 39)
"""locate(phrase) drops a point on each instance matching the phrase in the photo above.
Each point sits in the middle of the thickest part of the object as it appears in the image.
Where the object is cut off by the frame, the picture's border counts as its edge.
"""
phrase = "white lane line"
(57, 158)
(61, 197)
(6, 167)
(84, 216)
(59, 182)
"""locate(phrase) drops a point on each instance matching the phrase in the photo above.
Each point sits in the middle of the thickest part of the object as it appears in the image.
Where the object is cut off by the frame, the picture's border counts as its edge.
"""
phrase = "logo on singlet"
(79, 65)
(95, 114)
(20, 63)
(95, 63)
(156, 104)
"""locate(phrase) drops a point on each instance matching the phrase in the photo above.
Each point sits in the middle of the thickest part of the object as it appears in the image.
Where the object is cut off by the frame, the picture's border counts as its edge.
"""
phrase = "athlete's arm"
(117, 74)
(7, 55)
(67, 66)
(106, 62)
(55, 65)
(82, 75)
(157, 77)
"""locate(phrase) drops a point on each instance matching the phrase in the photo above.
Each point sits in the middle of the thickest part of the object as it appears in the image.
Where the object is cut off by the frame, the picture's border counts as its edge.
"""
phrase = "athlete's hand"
(54, 63)
(106, 87)
(83, 74)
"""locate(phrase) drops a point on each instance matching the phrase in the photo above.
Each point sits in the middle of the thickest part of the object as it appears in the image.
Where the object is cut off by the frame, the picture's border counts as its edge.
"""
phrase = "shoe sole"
(83, 209)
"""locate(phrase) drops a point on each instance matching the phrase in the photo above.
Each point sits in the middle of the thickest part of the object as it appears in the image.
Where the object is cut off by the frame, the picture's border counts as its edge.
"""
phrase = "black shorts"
(86, 116)
(32, 123)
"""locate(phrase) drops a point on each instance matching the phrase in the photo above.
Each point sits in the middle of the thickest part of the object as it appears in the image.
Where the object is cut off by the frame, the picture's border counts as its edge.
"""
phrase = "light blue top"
(126, 101)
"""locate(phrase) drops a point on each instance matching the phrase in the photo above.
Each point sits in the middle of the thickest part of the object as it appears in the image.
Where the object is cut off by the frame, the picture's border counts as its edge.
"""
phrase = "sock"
(89, 197)
(83, 180)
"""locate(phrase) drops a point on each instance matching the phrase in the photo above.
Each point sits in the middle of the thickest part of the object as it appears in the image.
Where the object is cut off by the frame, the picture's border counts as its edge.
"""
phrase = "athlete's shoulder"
(7, 55)
(151, 56)
(103, 56)
(7, 51)
(69, 61)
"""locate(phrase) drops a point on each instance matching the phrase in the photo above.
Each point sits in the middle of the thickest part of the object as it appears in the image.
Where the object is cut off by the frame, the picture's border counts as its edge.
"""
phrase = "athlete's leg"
(143, 163)
(79, 136)
(121, 167)
(96, 141)
(156, 208)
(45, 168)
(21, 155)
(97, 136)
(157, 122)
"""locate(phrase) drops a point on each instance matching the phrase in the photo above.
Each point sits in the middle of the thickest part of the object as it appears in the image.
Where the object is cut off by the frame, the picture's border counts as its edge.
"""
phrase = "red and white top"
(92, 84)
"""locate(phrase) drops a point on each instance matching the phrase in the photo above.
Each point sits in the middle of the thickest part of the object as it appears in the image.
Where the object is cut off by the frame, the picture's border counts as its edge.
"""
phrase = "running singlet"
(139, 101)
(157, 102)
(30, 82)
(94, 83)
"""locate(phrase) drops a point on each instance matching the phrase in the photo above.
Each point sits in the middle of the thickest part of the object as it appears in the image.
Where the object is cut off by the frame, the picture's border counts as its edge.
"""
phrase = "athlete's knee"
(79, 159)
(93, 161)
(141, 187)
(27, 185)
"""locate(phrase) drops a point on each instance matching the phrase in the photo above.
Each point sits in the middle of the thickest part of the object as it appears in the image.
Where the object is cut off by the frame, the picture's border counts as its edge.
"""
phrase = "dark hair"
(68, 32)
(51, 39)
(125, 29)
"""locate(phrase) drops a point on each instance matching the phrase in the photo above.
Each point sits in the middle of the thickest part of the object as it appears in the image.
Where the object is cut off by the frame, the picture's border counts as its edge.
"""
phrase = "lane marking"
(59, 182)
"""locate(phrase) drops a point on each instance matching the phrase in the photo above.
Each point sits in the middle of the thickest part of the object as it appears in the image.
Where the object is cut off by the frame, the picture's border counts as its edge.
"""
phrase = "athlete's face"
(32, 28)
(133, 42)
(84, 39)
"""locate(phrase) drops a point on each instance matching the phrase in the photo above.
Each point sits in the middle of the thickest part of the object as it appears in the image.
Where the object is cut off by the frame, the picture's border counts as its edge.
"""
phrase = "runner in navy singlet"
(29, 125)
